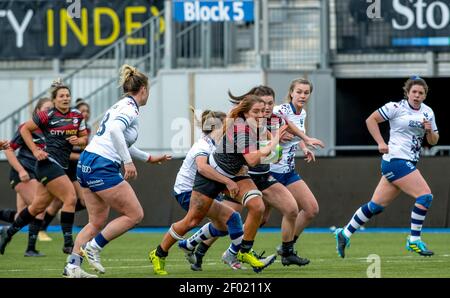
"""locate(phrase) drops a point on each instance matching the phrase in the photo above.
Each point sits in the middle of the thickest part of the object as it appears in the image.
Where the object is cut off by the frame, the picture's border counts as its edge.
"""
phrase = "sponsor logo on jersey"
(67, 132)
(55, 122)
(417, 124)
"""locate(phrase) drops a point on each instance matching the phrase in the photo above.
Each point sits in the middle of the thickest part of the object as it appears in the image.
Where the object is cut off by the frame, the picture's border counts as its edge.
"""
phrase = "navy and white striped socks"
(361, 216)
(417, 218)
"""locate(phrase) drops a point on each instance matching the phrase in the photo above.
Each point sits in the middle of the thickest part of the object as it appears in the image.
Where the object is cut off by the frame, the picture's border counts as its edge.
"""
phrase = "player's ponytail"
(260, 90)
(132, 79)
(210, 120)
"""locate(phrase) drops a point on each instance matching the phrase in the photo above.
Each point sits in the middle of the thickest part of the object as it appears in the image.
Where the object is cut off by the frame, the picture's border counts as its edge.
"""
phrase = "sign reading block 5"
(215, 11)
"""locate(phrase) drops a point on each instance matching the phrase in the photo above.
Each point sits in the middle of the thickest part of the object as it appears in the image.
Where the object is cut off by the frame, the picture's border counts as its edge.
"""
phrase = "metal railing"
(284, 35)
(96, 80)
(294, 36)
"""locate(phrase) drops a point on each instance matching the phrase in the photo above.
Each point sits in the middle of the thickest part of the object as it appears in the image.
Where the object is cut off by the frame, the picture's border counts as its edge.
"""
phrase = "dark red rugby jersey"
(238, 140)
(273, 123)
(25, 156)
(57, 127)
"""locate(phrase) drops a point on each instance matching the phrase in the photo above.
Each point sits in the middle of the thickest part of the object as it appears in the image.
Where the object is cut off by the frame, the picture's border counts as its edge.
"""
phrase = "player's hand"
(383, 148)
(4, 145)
(233, 188)
(243, 171)
(40, 154)
(130, 171)
(427, 125)
(24, 176)
(73, 140)
(313, 142)
(160, 159)
(309, 155)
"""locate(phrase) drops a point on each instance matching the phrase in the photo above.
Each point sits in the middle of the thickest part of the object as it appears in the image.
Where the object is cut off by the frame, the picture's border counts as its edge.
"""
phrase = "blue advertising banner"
(212, 11)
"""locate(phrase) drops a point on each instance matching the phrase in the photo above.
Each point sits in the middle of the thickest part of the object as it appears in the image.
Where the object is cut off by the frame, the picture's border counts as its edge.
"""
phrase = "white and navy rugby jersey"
(407, 130)
(287, 163)
(125, 110)
(186, 175)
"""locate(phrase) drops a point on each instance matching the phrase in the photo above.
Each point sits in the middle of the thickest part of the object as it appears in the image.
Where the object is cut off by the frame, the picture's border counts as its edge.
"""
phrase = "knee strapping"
(175, 234)
(234, 224)
(251, 194)
(375, 208)
(425, 200)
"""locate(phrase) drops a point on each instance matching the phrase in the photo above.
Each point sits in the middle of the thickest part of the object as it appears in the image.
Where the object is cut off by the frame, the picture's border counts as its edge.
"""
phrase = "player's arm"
(372, 125)
(117, 128)
(15, 163)
(431, 134)
(309, 154)
(25, 132)
(206, 170)
(74, 156)
(254, 158)
(432, 137)
(79, 140)
(293, 129)
(146, 157)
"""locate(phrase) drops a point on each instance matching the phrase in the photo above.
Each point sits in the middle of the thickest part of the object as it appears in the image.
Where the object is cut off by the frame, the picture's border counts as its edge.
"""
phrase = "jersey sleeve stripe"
(383, 114)
(43, 118)
(201, 154)
(123, 119)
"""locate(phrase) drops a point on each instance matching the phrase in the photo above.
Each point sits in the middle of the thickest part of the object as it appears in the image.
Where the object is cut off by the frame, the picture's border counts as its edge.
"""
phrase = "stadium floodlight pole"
(431, 63)
(168, 36)
(265, 31)
(262, 44)
(256, 33)
(324, 35)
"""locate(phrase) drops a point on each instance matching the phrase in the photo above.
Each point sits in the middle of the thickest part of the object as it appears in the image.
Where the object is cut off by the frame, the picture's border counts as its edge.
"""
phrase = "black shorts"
(72, 170)
(47, 171)
(230, 199)
(14, 178)
(211, 188)
(263, 181)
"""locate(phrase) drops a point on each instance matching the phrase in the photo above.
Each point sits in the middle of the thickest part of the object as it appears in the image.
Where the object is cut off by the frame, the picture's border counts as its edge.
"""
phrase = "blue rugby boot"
(342, 242)
(419, 247)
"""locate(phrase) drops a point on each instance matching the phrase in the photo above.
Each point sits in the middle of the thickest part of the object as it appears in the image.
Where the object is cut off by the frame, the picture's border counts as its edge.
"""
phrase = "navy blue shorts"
(97, 173)
(184, 199)
(396, 168)
(286, 178)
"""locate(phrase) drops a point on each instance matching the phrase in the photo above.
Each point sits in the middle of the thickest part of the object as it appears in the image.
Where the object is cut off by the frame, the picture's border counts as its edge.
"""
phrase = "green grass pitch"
(126, 257)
